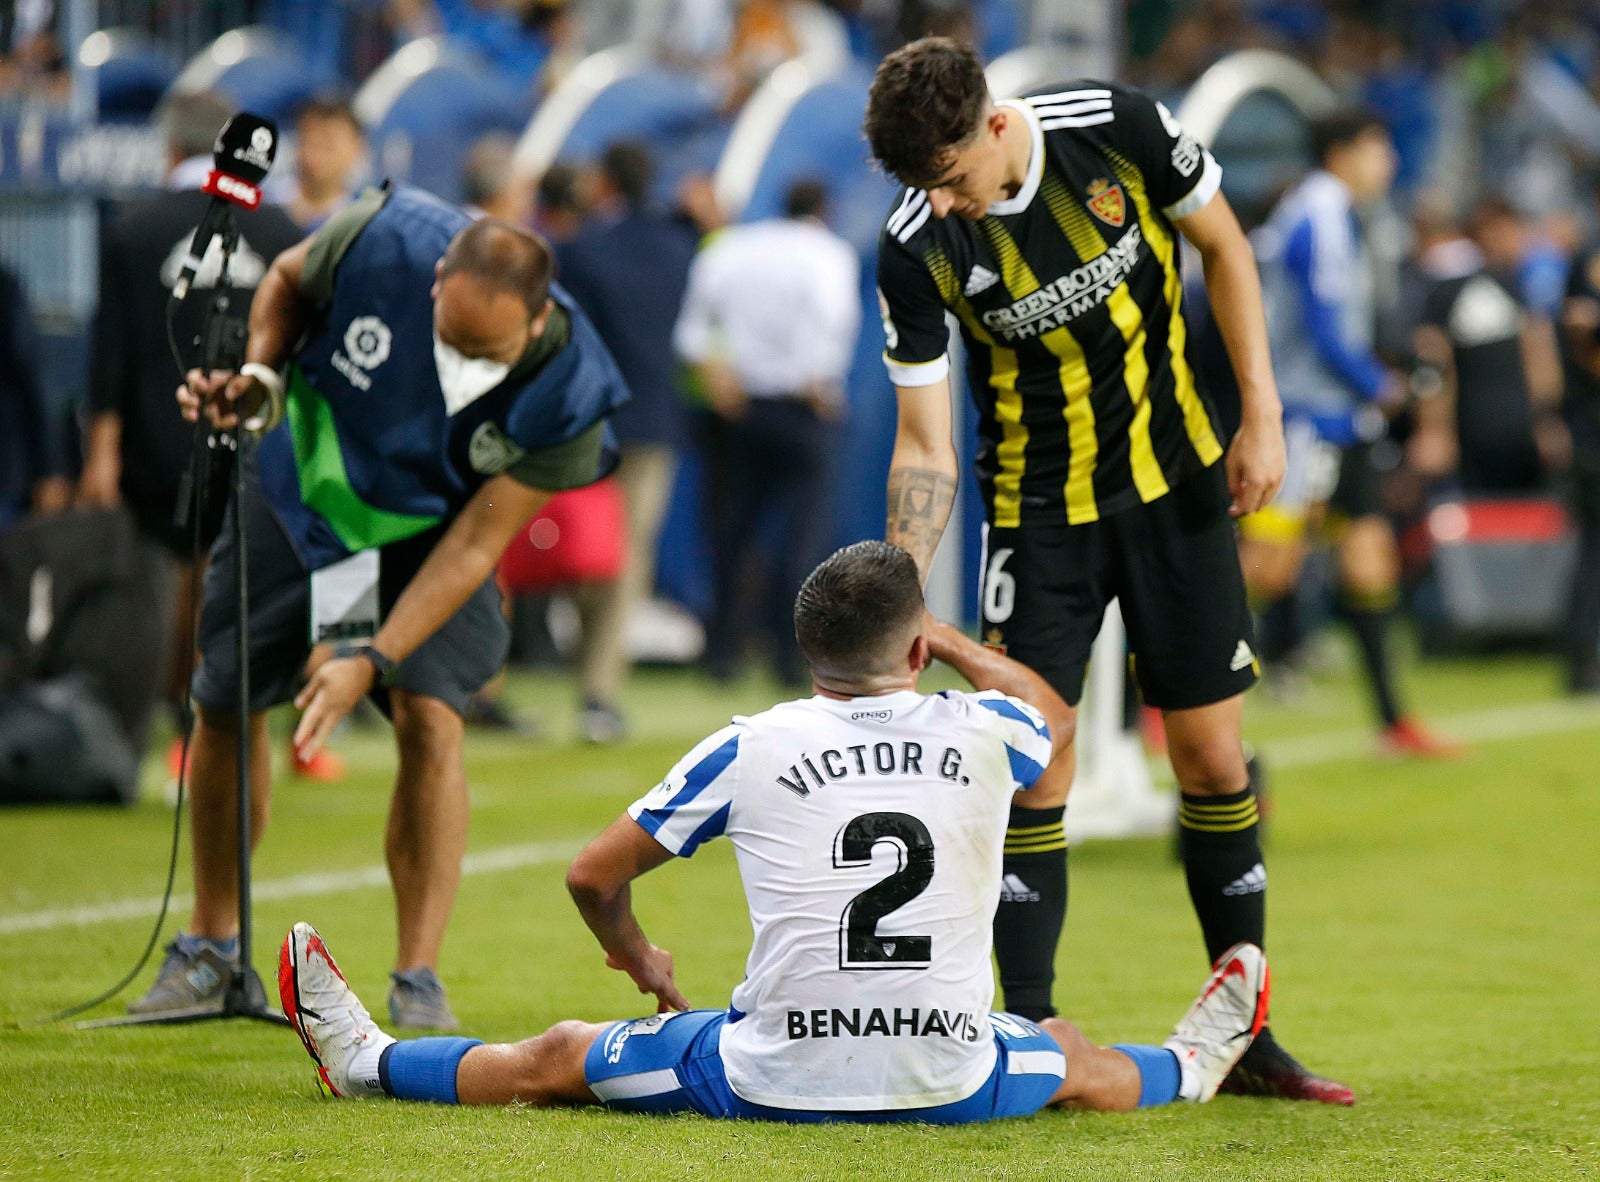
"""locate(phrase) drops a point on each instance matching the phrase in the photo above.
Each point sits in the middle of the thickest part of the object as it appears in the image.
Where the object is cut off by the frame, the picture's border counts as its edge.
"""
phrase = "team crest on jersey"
(1106, 202)
(995, 639)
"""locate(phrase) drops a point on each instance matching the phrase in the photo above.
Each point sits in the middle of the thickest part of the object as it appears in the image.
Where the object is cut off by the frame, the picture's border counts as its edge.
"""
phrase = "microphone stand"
(245, 996)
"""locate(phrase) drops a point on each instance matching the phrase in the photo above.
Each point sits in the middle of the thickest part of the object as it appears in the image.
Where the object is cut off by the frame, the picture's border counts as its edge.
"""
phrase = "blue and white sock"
(420, 1068)
(1160, 1075)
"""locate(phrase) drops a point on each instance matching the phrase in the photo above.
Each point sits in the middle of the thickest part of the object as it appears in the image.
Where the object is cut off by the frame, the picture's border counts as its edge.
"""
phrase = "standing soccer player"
(1099, 457)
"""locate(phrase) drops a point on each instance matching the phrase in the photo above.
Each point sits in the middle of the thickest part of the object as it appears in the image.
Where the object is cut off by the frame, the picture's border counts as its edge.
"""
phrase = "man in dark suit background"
(136, 443)
(627, 267)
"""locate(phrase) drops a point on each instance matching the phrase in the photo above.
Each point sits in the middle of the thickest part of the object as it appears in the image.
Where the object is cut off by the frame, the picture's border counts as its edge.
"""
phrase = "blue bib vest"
(369, 453)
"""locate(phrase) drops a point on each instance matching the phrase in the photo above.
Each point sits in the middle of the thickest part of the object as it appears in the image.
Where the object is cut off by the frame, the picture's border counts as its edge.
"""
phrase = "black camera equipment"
(241, 157)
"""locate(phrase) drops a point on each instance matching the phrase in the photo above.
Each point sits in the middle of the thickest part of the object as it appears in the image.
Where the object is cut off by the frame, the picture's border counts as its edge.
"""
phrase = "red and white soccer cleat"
(1222, 1022)
(325, 1012)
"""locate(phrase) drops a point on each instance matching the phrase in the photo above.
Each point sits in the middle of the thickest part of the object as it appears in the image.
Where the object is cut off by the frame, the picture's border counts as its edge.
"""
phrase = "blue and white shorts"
(672, 1063)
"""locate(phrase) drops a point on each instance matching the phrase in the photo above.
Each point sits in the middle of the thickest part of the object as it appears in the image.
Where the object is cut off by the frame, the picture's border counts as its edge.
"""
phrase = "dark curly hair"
(927, 99)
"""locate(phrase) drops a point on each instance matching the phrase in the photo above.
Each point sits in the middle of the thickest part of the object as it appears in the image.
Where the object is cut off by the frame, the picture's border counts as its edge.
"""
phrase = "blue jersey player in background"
(1318, 281)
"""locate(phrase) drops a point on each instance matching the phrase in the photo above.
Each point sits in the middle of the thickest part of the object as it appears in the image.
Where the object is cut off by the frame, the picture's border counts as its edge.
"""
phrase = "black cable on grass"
(195, 500)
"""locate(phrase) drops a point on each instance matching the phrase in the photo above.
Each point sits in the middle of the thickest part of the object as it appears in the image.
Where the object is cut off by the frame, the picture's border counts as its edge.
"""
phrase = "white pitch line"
(1480, 726)
(490, 861)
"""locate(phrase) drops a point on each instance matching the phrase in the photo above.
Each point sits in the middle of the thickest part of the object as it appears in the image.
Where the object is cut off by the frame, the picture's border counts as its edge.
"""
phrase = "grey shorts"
(451, 665)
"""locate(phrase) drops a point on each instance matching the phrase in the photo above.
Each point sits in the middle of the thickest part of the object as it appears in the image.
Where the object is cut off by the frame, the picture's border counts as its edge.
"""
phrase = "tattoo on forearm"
(919, 507)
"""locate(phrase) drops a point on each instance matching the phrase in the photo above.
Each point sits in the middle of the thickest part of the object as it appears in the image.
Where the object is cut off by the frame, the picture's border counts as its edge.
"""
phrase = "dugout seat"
(426, 105)
(131, 72)
(624, 94)
(259, 69)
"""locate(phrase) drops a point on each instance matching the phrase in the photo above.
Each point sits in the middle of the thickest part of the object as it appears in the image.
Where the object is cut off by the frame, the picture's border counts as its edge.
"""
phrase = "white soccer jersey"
(868, 834)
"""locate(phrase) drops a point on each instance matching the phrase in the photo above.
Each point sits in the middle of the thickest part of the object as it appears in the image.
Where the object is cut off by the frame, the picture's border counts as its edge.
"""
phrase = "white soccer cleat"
(326, 1013)
(1222, 1023)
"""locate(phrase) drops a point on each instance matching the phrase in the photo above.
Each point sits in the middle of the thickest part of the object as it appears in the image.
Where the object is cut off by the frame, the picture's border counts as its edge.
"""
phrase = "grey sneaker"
(417, 1002)
(186, 981)
(601, 724)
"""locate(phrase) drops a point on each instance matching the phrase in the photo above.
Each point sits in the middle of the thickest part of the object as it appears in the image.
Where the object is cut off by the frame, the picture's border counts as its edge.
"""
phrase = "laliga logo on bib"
(367, 341)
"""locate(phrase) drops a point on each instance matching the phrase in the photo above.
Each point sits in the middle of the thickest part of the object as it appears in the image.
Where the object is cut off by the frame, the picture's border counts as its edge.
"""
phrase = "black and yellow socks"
(1220, 840)
(1033, 905)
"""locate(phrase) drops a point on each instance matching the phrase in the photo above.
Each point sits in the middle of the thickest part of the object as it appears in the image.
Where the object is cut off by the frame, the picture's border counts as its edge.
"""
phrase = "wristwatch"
(382, 666)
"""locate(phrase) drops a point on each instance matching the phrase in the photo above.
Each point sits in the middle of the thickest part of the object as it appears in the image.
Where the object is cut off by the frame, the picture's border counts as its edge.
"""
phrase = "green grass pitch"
(1434, 933)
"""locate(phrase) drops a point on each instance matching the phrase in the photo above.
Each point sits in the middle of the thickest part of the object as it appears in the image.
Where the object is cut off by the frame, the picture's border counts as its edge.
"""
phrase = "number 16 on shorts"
(997, 593)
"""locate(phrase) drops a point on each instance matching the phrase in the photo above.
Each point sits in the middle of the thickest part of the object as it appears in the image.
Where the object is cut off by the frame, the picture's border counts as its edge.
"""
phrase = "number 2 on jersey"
(861, 946)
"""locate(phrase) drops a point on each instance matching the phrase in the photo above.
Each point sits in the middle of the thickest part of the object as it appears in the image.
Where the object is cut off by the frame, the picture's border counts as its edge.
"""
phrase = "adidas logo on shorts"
(1252, 882)
(981, 279)
(1243, 657)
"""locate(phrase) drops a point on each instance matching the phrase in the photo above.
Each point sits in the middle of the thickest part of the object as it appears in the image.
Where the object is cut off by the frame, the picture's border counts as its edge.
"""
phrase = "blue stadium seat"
(428, 131)
(821, 139)
(258, 69)
(131, 72)
(1263, 148)
(676, 114)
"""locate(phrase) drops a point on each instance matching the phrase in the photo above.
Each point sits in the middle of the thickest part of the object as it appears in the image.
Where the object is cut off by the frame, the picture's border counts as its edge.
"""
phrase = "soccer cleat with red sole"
(325, 1012)
(1409, 739)
(1223, 1021)
(1269, 1070)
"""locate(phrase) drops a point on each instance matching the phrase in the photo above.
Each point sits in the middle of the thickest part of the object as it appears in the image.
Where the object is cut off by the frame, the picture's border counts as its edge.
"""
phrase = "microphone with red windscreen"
(240, 160)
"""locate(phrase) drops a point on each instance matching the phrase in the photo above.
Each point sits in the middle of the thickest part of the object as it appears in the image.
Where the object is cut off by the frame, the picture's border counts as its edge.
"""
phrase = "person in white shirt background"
(867, 822)
(769, 325)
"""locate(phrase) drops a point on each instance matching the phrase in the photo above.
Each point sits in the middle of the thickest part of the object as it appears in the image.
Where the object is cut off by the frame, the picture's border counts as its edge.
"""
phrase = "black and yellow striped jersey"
(1069, 299)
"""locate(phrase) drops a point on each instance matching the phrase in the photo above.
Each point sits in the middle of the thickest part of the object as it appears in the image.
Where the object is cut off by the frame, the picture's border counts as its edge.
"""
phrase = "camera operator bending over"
(423, 386)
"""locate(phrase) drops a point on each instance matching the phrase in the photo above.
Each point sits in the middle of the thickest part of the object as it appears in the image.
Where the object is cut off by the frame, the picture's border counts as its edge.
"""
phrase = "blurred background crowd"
(645, 137)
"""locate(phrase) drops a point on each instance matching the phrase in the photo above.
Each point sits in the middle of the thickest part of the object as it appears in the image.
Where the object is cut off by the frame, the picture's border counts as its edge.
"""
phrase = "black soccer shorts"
(1173, 568)
(1359, 492)
(451, 665)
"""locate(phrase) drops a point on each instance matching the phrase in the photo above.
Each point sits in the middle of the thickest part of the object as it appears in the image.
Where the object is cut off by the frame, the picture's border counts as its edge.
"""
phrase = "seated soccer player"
(868, 822)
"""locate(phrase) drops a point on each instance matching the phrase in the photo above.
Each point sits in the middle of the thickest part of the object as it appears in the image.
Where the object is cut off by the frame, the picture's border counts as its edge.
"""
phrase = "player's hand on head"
(652, 973)
(940, 636)
(1255, 466)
